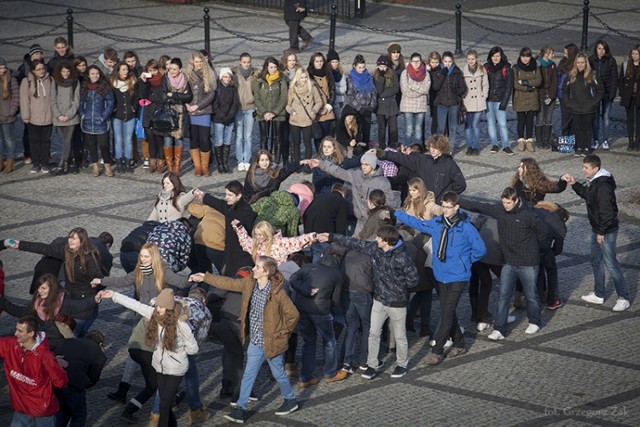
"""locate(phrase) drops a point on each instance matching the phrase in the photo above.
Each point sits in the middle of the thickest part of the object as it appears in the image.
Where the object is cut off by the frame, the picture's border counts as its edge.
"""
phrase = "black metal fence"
(345, 8)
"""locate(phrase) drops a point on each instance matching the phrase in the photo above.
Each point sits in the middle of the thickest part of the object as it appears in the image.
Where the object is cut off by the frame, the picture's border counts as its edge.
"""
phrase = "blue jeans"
(472, 129)
(255, 357)
(413, 124)
(528, 276)
(83, 326)
(358, 317)
(73, 406)
(169, 141)
(222, 134)
(122, 133)
(7, 141)
(448, 114)
(317, 249)
(309, 326)
(604, 256)
(604, 110)
(244, 131)
(24, 420)
(495, 114)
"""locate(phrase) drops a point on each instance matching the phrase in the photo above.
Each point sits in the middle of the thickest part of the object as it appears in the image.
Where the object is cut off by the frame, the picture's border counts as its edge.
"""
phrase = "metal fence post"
(332, 30)
(70, 27)
(207, 38)
(585, 25)
(458, 29)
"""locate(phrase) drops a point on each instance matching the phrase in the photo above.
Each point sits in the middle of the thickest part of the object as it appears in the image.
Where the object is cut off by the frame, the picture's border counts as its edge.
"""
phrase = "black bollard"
(332, 30)
(207, 38)
(458, 29)
(585, 25)
(70, 27)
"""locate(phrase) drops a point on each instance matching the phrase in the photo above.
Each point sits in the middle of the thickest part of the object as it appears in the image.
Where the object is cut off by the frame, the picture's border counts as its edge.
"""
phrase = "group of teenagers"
(109, 106)
(362, 244)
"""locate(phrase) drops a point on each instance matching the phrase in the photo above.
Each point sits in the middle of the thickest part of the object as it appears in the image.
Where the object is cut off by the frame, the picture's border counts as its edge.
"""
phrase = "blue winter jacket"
(464, 246)
(95, 111)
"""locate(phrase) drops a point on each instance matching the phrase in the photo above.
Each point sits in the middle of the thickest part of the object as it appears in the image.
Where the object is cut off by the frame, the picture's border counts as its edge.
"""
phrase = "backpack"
(199, 316)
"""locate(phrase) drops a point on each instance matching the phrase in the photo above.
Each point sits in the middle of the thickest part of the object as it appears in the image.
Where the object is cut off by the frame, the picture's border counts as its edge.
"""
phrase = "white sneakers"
(482, 326)
(243, 167)
(496, 336)
(532, 329)
(592, 298)
(621, 305)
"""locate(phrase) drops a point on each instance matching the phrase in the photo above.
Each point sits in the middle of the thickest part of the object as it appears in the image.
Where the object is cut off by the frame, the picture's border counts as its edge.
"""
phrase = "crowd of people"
(356, 250)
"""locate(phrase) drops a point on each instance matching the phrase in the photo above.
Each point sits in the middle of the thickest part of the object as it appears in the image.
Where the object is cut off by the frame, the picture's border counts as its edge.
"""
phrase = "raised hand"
(196, 277)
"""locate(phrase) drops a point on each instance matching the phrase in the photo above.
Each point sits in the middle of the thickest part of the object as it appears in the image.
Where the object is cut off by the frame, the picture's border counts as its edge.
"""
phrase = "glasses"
(395, 51)
(448, 207)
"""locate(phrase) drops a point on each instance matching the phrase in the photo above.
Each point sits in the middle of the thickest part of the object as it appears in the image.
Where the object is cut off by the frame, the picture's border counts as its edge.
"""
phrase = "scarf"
(318, 73)
(146, 269)
(177, 83)
(419, 74)
(544, 63)
(444, 237)
(154, 80)
(245, 72)
(120, 85)
(362, 81)
(527, 67)
(450, 70)
(271, 78)
(331, 158)
(261, 178)
(39, 307)
(472, 70)
(301, 90)
(337, 75)
(92, 86)
(68, 82)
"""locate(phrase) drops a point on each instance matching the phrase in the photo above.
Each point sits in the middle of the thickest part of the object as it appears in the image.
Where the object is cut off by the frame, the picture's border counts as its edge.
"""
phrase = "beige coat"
(210, 231)
(302, 108)
(478, 89)
(245, 88)
(36, 111)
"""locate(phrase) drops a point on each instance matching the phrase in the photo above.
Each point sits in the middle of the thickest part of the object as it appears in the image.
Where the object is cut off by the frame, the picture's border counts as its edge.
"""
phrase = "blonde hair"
(268, 232)
(417, 206)
(296, 80)
(589, 77)
(156, 264)
(338, 153)
(208, 75)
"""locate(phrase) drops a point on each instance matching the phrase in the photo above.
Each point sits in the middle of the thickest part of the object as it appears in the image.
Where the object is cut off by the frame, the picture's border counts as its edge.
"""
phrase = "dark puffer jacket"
(602, 208)
(95, 111)
(500, 83)
(326, 277)
(450, 88)
(606, 69)
(226, 104)
(394, 272)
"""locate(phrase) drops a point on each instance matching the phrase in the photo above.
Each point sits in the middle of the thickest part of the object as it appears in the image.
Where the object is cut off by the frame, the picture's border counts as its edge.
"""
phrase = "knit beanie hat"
(369, 159)
(225, 70)
(394, 47)
(332, 55)
(3, 62)
(35, 48)
(165, 299)
(384, 60)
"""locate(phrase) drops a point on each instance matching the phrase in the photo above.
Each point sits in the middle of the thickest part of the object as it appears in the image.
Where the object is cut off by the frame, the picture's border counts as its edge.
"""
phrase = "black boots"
(120, 395)
(62, 168)
(219, 158)
(225, 158)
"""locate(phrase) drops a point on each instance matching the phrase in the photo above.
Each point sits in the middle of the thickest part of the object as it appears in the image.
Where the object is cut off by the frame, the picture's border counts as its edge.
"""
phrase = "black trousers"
(633, 123)
(450, 294)
(93, 142)
(582, 126)
(156, 144)
(295, 142)
(167, 388)
(272, 129)
(200, 138)
(39, 143)
(480, 288)
(366, 126)
(295, 31)
(144, 358)
(228, 333)
(77, 147)
(73, 407)
(384, 122)
(525, 124)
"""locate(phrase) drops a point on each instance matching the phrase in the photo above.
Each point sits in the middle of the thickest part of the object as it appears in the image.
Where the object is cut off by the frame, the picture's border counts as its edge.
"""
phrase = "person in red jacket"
(32, 373)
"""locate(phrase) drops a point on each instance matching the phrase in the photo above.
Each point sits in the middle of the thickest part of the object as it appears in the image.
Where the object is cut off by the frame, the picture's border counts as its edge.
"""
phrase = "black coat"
(602, 207)
(235, 256)
(626, 86)
(225, 104)
(450, 88)
(327, 213)
(326, 277)
(500, 83)
(607, 71)
(387, 102)
(86, 360)
(290, 13)
(580, 97)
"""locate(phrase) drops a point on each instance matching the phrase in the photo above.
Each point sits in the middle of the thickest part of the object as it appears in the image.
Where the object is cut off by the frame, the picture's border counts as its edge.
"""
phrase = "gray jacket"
(65, 101)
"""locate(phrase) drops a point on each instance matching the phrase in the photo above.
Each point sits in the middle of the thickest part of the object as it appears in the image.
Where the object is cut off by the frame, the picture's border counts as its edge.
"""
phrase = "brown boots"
(177, 160)
(9, 165)
(204, 162)
(168, 157)
(95, 169)
(196, 159)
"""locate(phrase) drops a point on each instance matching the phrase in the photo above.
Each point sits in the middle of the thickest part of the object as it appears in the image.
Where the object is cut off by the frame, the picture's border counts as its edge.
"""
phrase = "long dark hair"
(265, 66)
(57, 73)
(566, 64)
(102, 85)
(178, 188)
(493, 51)
(607, 50)
(86, 249)
(51, 304)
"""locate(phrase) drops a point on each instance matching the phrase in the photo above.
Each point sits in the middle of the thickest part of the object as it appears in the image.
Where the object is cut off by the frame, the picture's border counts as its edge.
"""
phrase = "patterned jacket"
(414, 93)
(174, 243)
(280, 248)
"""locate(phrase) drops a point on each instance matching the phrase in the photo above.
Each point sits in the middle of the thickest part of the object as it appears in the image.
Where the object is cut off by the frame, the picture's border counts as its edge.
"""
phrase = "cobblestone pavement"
(582, 368)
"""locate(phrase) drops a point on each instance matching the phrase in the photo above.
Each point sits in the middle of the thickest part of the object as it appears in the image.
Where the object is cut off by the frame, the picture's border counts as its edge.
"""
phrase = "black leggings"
(39, 143)
(92, 143)
(633, 123)
(77, 146)
(525, 124)
(581, 125)
(383, 123)
(143, 358)
(156, 145)
(167, 387)
(200, 138)
(295, 141)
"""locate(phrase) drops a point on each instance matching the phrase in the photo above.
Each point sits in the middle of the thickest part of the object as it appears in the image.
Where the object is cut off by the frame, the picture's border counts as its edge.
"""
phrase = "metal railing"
(344, 8)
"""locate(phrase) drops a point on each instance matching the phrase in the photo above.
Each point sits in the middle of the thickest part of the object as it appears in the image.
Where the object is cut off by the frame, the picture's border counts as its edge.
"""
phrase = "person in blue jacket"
(456, 245)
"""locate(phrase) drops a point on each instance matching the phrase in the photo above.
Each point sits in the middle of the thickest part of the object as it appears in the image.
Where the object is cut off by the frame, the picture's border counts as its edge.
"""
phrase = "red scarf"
(419, 74)
(154, 80)
(91, 86)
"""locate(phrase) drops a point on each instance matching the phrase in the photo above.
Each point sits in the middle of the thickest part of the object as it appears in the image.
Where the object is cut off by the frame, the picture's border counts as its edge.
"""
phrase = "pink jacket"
(280, 248)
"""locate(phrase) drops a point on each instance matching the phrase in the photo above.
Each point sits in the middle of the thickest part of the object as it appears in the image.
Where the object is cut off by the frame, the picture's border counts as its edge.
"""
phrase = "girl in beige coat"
(35, 107)
(475, 101)
(304, 103)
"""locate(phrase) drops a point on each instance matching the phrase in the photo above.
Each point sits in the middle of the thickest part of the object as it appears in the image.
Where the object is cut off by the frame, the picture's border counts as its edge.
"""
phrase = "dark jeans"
(392, 123)
(228, 333)
(358, 318)
(167, 387)
(366, 126)
(421, 300)
(633, 122)
(93, 142)
(205, 257)
(73, 407)
(156, 145)
(200, 138)
(582, 125)
(295, 142)
(295, 31)
(39, 143)
(77, 147)
(309, 326)
(566, 126)
(450, 294)
(480, 288)
(548, 276)
(525, 124)
(144, 358)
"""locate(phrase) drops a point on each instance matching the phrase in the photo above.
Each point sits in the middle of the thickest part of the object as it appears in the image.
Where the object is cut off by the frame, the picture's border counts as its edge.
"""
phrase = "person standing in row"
(361, 94)
(415, 83)
(270, 95)
(244, 78)
(526, 79)
(500, 77)
(304, 103)
(450, 87)
(65, 101)
(320, 72)
(629, 96)
(225, 107)
(35, 108)
(124, 85)
(605, 67)
(475, 101)
(9, 106)
(387, 87)
(547, 92)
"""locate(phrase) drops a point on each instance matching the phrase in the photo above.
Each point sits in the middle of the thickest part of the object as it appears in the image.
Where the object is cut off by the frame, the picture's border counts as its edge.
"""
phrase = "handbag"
(566, 144)
(316, 129)
(140, 134)
(462, 114)
(164, 119)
